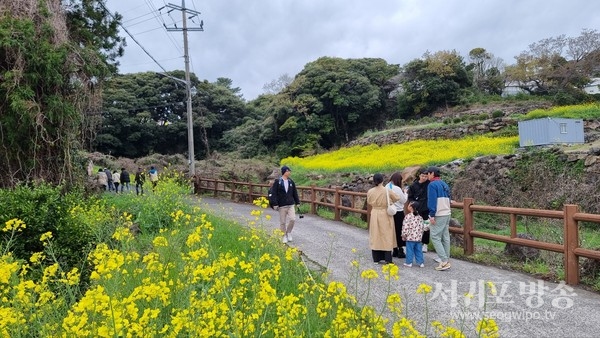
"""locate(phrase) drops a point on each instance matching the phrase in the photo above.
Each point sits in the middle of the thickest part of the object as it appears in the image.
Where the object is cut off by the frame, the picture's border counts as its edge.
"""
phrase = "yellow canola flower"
(447, 331)
(37, 257)
(160, 241)
(390, 271)
(46, 236)
(490, 285)
(405, 328)
(424, 288)
(122, 234)
(14, 224)
(267, 294)
(290, 253)
(7, 269)
(487, 328)
(369, 274)
(394, 303)
(262, 202)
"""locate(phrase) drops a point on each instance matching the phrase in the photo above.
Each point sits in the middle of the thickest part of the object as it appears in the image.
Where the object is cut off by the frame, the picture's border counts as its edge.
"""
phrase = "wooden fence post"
(468, 244)
(571, 238)
(313, 199)
(336, 209)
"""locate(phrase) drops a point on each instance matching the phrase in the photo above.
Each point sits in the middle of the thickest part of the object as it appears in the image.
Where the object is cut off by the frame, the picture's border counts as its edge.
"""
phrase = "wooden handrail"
(333, 198)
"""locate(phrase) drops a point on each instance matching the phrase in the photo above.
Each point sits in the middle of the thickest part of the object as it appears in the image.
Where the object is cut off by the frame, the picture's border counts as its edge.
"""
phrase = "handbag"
(391, 209)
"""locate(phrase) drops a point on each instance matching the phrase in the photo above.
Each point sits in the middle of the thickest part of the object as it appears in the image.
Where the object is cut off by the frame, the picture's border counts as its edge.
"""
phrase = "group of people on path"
(111, 181)
(422, 214)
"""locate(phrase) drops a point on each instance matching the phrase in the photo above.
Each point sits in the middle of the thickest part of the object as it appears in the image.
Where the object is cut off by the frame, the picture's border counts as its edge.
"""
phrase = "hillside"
(541, 177)
(537, 177)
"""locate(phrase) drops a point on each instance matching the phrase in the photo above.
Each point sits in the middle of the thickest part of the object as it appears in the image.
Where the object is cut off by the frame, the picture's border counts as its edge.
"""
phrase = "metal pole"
(188, 87)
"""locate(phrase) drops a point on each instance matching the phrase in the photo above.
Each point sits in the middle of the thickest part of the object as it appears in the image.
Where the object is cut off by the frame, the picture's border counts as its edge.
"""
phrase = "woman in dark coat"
(418, 192)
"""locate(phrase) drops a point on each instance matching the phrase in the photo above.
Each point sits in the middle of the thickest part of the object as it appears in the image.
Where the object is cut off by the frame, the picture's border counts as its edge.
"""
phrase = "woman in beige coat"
(382, 235)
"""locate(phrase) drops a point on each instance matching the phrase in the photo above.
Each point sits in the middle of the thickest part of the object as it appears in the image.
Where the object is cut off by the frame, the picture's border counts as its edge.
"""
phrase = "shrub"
(44, 208)
(497, 113)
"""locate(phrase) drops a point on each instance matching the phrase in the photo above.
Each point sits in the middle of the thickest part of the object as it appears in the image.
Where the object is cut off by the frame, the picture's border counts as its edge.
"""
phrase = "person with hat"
(285, 197)
(438, 203)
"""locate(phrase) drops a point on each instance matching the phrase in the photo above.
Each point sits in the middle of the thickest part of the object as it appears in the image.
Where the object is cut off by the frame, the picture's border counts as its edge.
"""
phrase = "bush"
(44, 208)
(497, 114)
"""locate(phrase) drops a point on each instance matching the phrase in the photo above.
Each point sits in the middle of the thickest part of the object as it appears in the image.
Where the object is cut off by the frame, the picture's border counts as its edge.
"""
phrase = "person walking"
(109, 178)
(395, 184)
(140, 178)
(116, 180)
(412, 233)
(417, 192)
(382, 236)
(102, 180)
(284, 199)
(125, 179)
(153, 177)
(438, 203)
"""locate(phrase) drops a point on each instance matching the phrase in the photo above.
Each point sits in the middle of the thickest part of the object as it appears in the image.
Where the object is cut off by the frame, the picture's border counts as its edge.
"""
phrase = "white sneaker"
(284, 239)
(424, 248)
(437, 260)
(422, 265)
(289, 237)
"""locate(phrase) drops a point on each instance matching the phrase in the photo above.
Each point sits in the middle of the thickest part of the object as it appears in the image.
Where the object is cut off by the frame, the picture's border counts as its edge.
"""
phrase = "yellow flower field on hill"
(393, 156)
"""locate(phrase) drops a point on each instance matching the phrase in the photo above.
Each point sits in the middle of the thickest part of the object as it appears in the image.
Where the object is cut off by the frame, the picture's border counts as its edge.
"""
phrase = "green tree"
(147, 112)
(91, 25)
(50, 91)
(434, 81)
(487, 71)
(337, 99)
(143, 113)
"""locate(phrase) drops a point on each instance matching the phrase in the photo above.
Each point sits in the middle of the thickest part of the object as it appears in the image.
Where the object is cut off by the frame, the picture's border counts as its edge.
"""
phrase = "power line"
(132, 37)
(160, 20)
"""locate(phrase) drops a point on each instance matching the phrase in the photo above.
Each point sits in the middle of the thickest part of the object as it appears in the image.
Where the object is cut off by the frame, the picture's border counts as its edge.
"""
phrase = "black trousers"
(379, 255)
(426, 234)
(398, 219)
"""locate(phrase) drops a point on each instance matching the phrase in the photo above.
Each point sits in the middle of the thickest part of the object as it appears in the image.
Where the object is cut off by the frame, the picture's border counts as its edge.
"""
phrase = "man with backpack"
(284, 198)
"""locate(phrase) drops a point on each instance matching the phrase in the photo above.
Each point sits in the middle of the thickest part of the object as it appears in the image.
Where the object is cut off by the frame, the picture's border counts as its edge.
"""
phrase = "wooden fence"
(354, 202)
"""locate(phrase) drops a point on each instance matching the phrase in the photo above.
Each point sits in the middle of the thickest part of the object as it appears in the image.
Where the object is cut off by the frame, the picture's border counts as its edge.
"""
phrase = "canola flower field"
(430, 152)
(413, 153)
(188, 274)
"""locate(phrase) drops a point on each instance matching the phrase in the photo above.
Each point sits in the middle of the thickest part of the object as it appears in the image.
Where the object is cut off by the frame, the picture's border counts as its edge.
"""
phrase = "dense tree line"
(332, 100)
(61, 94)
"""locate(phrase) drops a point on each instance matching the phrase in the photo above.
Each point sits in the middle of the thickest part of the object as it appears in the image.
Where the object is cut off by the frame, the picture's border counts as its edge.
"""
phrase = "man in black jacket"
(285, 198)
(125, 179)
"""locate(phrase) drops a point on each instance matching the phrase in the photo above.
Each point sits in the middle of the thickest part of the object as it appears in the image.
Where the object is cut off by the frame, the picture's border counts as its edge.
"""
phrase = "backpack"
(271, 197)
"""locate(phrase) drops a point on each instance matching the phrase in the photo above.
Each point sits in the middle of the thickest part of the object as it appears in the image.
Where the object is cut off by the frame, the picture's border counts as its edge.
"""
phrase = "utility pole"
(188, 84)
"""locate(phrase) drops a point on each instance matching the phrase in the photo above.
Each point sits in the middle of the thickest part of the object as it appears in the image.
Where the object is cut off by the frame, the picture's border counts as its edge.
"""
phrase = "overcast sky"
(253, 42)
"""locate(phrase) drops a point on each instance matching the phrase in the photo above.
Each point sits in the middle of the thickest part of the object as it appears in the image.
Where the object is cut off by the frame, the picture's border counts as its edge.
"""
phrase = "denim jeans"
(139, 188)
(414, 250)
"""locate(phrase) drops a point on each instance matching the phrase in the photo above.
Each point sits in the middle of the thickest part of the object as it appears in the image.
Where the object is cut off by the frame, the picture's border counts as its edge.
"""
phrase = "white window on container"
(563, 128)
